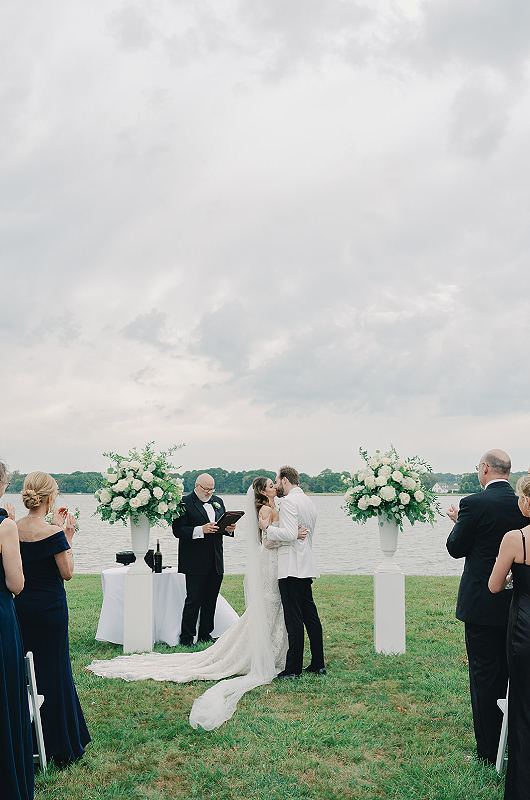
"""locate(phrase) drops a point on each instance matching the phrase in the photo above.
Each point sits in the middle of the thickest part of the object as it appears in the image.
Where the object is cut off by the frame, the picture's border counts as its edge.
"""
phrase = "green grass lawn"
(376, 726)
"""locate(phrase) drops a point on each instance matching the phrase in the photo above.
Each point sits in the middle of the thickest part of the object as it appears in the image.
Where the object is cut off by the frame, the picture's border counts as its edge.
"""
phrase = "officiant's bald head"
(204, 486)
(495, 465)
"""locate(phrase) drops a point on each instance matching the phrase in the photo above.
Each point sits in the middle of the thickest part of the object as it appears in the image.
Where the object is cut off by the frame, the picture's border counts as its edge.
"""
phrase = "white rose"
(124, 465)
(363, 503)
(387, 493)
(409, 483)
(137, 485)
(105, 496)
(135, 502)
(151, 467)
(118, 503)
(122, 485)
(404, 498)
(172, 506)
(144, 496)
(360, 476)
(397, 476)
(385, 471)
(162, 508)
(158, 492)
(110, 476)
(369, 481)
(414, 475)
(386, 460)
(375, 500)
(373, 462)
(419, 496)
(147, 476)
(381, 480)
(135, 465)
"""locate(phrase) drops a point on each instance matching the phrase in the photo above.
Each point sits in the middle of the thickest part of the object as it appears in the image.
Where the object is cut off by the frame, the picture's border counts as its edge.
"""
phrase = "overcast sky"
(272, 230)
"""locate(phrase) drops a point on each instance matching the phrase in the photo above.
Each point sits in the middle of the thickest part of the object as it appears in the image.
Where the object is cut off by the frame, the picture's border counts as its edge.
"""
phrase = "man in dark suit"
(480, 523)
(200, 558)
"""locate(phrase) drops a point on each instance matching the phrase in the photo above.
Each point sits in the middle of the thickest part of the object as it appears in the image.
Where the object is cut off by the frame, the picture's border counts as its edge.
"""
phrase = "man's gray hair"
(501, 464)
(4, 473)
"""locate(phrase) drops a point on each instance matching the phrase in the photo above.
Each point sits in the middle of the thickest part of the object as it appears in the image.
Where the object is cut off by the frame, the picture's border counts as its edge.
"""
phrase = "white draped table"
(169, 588)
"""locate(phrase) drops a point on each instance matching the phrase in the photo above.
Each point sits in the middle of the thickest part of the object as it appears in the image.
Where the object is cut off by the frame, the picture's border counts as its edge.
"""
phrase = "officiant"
(200, 558)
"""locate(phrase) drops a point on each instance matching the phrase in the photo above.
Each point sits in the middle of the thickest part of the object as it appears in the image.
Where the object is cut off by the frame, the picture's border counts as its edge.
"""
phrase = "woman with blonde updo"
(16, 751)
(514, 556)
(46, 550)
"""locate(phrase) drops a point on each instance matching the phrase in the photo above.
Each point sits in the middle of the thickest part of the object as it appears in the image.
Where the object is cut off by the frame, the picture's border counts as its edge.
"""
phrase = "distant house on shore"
(440, 488)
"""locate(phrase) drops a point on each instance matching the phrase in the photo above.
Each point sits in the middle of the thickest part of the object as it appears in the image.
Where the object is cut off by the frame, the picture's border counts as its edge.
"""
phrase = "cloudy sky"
(271, 230)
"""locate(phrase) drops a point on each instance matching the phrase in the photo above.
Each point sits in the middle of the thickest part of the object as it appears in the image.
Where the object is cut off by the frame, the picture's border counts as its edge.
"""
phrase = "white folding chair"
(35, 701)
(500, 764)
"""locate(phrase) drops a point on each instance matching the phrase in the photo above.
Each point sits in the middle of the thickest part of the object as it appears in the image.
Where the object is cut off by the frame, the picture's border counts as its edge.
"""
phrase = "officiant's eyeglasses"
(206, 488)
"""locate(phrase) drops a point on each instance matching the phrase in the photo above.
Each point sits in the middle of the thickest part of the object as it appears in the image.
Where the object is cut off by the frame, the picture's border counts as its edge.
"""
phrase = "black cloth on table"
(16, 753)
(43, 615)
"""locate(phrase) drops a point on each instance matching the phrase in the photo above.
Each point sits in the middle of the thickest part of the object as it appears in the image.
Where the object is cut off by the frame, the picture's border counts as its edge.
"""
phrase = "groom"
(296, 570)
(200, 558)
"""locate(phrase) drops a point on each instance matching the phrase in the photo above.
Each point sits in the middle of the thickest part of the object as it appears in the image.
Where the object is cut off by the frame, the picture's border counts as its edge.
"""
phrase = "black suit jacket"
(483, 519)
(199, 556)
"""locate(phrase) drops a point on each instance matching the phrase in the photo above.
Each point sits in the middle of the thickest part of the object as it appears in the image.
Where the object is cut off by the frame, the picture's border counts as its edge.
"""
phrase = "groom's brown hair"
(291, 474)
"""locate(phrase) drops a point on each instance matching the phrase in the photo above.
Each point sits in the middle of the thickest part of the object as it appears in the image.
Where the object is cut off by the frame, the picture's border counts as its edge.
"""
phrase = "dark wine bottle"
(157, 557)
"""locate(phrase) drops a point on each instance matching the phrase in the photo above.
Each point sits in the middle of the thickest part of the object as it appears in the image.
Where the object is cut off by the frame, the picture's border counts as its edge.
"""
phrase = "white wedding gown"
(254, 647)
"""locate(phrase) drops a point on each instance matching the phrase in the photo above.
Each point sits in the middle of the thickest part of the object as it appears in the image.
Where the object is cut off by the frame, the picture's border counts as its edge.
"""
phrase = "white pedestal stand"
(138, 628)
(389, 595)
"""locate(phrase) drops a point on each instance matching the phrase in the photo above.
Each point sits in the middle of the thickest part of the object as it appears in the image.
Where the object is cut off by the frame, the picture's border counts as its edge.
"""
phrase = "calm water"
(340, 545)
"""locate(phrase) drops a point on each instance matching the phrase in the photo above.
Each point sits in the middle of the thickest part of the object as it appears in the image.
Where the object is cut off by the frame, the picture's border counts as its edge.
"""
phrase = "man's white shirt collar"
(497, 480)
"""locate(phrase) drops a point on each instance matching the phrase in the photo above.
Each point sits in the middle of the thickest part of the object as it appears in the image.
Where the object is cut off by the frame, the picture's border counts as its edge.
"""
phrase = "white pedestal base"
(138, 627)
(389, 609)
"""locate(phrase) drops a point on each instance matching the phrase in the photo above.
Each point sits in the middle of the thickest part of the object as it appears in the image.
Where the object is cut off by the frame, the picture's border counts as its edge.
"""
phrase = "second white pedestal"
(389, 609)
(138, 621)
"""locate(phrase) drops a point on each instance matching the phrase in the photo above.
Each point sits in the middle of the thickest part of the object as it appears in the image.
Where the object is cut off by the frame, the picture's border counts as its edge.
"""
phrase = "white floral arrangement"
(140, 483)
(387, 484)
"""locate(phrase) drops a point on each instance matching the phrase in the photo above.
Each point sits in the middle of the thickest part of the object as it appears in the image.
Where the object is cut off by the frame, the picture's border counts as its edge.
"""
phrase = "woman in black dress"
(43, 614)
(16, 752)
(514, 555)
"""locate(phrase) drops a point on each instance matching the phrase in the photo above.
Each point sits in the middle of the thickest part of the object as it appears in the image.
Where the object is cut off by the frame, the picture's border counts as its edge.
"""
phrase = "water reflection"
(340, 545)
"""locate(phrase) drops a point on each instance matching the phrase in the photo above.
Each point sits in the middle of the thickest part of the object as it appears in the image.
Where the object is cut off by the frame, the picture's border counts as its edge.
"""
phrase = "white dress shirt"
(198, 532)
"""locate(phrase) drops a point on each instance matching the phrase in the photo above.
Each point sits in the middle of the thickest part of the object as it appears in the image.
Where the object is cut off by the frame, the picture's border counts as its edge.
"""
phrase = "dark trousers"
(488, 680)
(299, 610)
(201, 596)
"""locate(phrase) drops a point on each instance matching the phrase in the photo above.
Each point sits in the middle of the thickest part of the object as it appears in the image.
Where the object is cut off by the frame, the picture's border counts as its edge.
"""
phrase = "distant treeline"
(226, 482)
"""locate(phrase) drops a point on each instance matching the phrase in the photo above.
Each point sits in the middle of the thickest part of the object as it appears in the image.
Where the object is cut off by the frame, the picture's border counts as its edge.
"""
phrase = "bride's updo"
(4, 474)
(39, 487)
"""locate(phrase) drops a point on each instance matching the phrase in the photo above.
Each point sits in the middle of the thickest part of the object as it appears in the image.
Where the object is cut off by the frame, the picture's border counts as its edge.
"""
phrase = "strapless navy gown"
(16, 753)
(43, 615)
(517, 785)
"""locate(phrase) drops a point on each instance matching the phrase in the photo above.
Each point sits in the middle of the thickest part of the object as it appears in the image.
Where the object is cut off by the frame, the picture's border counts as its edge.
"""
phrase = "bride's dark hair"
(260, 498)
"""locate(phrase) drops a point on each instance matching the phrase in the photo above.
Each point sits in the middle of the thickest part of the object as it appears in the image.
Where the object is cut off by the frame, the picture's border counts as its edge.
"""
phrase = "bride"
(253, 648)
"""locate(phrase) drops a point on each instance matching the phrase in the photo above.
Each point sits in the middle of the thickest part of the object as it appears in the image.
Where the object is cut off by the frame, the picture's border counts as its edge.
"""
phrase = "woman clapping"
(47, 559)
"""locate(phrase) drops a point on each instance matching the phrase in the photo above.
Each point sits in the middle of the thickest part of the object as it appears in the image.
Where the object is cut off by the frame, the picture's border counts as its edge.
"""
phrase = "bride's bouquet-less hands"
(387, 484)
(140, 483)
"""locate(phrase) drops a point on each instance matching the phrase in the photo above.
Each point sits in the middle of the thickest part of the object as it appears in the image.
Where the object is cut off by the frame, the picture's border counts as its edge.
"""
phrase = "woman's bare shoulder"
(265, 511)
(8, 530)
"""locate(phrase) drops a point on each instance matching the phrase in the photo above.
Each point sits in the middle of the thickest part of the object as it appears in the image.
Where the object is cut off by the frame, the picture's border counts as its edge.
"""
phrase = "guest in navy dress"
(514, 555)
(43, 614)
(16, 752)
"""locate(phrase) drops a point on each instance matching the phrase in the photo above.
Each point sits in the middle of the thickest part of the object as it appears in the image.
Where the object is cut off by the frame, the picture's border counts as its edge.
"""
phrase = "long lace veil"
(219, 702)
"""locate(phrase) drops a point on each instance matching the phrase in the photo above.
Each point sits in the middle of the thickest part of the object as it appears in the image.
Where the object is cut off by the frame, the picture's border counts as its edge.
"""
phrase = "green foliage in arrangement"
(390, 486)
(375, 728)
(140, 483)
